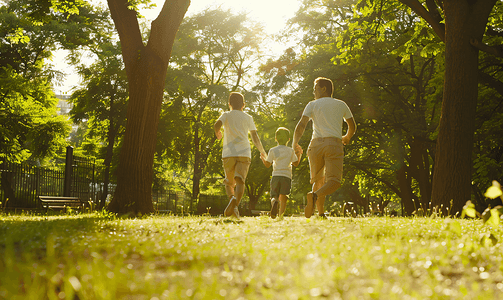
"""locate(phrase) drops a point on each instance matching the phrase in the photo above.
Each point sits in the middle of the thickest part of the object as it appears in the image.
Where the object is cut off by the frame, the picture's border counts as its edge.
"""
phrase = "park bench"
(59, 203)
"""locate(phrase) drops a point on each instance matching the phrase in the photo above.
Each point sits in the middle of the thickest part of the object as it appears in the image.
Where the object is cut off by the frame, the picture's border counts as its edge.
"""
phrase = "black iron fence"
(81, 177)
(169, 201)
(21, 184)
(212, 204)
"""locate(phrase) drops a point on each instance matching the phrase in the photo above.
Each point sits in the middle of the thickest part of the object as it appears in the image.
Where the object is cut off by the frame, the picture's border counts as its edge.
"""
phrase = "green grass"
(95, 256)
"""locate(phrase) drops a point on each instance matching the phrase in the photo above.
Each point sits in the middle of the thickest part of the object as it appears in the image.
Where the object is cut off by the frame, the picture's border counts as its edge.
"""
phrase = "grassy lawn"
(95, 256)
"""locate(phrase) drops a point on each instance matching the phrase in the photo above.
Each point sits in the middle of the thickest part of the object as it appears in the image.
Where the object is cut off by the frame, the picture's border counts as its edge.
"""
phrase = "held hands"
(346, 140)
(298, 149)
(263, 156)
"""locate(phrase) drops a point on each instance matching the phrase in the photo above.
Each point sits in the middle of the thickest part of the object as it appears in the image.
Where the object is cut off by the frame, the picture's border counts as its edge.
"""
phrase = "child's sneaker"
(311, 201)
(229, 210)
(275, 208)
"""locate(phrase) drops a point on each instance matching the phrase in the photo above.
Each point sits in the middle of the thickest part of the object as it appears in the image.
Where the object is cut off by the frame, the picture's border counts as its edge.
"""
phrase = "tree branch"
(432, 17)
(491, 82)
(492, 32)
(126, 23)
(494, 50)
(165, 27)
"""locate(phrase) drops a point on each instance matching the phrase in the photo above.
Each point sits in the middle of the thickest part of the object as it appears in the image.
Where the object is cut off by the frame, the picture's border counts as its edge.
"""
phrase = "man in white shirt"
(236, 152)
(326, 149)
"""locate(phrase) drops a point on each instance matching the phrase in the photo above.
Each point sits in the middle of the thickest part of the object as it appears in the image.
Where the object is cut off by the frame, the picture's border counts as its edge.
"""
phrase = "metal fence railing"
(81, 177)
(21, 184)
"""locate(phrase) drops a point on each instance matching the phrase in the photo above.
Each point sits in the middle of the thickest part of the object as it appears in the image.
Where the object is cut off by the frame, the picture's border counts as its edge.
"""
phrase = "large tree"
(456, 22)
(146, 67)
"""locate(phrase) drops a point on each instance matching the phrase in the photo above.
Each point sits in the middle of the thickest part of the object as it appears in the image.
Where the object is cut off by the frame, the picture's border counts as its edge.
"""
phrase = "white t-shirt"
(282, 158)
(236, 125)
(327, 114)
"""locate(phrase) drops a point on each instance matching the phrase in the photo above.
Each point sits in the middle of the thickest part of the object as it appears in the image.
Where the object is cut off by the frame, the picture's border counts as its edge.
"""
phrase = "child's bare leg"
(274, 207)
(229, 189)
(282, 204)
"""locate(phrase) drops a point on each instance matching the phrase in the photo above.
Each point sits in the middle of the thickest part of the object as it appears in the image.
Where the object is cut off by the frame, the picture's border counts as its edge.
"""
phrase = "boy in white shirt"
(236, 151)
(281, 158)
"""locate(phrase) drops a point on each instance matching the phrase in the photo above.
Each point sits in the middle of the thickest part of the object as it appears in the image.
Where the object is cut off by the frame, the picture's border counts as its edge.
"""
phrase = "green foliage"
(490, 217)
(386, 65)
(488, 149)
(30, 128)
(102, 103)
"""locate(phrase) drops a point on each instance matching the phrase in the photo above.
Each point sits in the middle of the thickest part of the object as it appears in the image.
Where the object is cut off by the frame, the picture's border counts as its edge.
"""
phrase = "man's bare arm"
(217, 127)
(351, 131)
(299, 131)
(256, 141)
(299, 156)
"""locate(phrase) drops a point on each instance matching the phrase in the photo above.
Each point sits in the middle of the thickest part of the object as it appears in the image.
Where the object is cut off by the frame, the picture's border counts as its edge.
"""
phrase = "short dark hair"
(282, 135)
(326, 83)
(236, 100)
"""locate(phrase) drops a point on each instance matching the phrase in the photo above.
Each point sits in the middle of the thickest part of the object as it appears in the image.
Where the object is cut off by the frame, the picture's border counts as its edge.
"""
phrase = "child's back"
(236, 124)
(281, 157)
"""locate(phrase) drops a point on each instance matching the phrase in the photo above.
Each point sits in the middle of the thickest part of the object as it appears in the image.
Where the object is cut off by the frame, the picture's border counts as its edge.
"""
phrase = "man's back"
(327, 114)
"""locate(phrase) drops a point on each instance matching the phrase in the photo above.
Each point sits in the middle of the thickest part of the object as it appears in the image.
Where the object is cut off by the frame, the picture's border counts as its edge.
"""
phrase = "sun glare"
(272, 14)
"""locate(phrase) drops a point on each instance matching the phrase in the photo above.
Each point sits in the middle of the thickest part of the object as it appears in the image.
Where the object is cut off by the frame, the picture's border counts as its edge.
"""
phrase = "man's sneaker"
(236, 212)
(275, 208)
(311, 201)
(229, 210)
(323, 216)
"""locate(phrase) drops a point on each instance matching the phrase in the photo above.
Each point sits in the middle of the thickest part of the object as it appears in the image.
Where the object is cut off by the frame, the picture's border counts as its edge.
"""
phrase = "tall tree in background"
(30, 30)
(456, 22)
(146, 67)
(102, 104)
(388, 75)
(213, 54)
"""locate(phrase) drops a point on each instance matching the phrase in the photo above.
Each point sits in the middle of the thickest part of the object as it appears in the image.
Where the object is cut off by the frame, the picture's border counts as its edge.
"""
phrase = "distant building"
(64, 106)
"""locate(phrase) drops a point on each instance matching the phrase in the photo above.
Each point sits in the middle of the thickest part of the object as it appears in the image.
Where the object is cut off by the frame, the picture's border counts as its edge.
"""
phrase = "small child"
(281, 158)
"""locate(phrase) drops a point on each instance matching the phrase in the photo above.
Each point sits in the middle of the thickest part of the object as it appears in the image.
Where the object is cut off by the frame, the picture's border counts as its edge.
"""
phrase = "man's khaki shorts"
(235, 167)
(326, 156)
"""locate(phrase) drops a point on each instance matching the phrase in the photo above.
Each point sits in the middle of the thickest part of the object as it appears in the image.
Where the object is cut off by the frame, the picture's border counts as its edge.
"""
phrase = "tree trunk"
(146, 68)
(135, 172)
(253, 202)
(7, 178)
(357, 198)
(196, 177)
(464, 20)
(405, 185)
(419, 168)
(112, 132)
